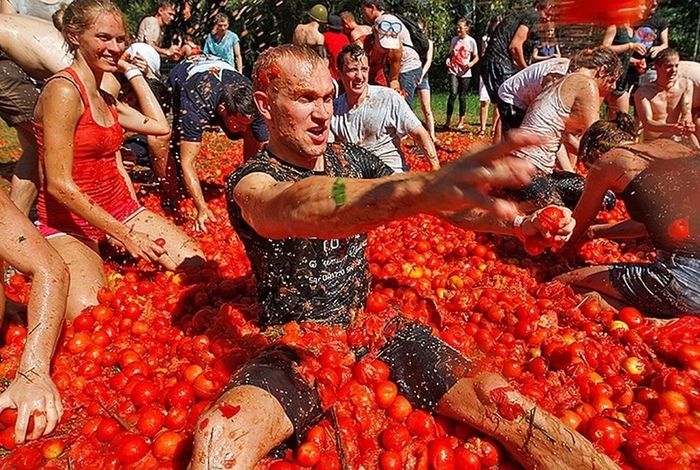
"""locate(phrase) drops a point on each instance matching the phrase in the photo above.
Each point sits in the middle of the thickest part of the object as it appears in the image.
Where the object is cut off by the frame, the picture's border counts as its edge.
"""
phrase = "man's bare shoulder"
(647, 90)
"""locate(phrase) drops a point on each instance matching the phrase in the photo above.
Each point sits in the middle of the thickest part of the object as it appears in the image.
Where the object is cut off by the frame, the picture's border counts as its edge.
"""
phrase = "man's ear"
(262, 101)
(221, 110)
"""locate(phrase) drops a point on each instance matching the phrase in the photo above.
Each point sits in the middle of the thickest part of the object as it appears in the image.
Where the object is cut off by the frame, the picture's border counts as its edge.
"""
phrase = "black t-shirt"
(499, 44)
(197, 83)
(304, 278)
(663, 196)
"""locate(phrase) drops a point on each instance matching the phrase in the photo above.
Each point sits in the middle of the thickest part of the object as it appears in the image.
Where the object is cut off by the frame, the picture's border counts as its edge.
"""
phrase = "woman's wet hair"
(81, 14)
(602, 58)
(604, 136)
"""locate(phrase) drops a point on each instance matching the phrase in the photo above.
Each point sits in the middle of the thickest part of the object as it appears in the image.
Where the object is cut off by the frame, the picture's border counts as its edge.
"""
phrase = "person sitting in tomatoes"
(302, 208)
(658, 181)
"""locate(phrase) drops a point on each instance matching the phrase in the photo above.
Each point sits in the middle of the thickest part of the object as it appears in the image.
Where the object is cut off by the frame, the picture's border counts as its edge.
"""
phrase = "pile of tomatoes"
(136, 371)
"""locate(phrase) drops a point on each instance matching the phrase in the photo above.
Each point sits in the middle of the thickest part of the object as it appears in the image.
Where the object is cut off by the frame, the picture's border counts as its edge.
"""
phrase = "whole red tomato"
(441, 456)
(605, 433)
(131, 448)
(550, 217)
(395, 437)
(308, 454)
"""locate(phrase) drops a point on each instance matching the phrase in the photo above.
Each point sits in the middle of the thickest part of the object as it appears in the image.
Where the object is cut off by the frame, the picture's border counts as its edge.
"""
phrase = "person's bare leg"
(483, 115)
(164, 165)
(239, 430)
(535, 438)
(595, 278)
(181, 250)
(86, 273)
(25, 180)
(424, 97)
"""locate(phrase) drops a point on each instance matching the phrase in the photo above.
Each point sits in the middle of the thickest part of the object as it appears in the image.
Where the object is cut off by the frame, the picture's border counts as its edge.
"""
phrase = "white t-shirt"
(462, 51)
(37, 8)
(521, 89)
(377, 124)
(391, 32)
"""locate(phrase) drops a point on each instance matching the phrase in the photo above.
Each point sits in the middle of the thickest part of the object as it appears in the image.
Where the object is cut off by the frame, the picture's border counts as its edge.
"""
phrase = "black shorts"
(274, 370)
(18, 94)
(424, 367)
(561, 188)
(495, 73)
(668, 287)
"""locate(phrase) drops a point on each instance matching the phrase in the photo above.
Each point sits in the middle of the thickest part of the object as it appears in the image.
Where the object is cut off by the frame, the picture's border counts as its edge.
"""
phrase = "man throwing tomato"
(302, 208)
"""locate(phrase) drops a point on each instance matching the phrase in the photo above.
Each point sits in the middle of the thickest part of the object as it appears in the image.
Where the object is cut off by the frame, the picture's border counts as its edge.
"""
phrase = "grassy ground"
(439, 105)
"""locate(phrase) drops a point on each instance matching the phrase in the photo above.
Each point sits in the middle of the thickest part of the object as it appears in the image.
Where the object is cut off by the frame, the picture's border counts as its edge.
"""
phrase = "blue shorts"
(424, 85)
(668, 287)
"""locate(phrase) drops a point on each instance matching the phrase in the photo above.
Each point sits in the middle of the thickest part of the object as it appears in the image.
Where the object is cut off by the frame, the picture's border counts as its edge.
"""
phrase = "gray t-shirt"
(377, 124)
(37, 8)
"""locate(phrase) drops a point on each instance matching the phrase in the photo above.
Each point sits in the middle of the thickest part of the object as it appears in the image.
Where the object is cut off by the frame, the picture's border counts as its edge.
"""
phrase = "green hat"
(319, 13)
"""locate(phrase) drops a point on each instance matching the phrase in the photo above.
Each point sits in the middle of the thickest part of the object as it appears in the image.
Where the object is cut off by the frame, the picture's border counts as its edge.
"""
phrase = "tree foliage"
(265, 23)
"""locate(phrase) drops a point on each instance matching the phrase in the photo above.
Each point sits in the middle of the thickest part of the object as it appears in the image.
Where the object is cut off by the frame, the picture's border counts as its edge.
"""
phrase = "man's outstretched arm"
(326, 207)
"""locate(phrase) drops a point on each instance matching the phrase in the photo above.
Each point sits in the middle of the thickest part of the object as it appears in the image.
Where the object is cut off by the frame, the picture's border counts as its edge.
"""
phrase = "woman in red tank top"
(86, 195)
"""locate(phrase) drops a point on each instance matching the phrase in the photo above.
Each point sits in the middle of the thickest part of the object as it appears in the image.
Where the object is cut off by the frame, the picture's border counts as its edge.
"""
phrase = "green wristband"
(338, 192)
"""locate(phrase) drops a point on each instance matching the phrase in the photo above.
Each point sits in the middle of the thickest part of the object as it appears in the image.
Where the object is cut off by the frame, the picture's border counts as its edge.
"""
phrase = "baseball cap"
(148, 53)
(335, 23)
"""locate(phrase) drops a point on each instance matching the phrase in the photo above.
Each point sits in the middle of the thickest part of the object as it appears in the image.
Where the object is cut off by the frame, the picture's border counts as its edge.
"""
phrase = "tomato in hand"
(550, 217)
(535, 245)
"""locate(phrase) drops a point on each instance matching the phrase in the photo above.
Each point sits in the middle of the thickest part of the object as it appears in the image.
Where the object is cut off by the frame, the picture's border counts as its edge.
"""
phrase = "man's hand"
(33, 394)
(466, 182)
(203, 215)
(555, 230)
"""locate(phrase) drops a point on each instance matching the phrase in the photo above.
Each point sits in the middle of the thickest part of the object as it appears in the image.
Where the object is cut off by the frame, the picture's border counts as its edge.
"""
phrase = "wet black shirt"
(499, 44)
(663, 198)
(301, 278)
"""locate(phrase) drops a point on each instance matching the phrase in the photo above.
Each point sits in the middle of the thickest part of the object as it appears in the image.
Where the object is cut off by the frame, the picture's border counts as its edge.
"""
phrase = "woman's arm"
(32, 391)
(150, 120)
(428, 59)
(238, 56)
(58, 110)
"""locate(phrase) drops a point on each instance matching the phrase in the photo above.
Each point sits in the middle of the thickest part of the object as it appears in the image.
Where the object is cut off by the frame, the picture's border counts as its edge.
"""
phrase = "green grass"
(438, 102)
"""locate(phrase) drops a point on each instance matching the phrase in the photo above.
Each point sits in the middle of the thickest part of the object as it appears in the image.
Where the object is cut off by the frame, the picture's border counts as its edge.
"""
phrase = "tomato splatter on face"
(204, 424)
(228, 410)
(679, 229)
(506, 408)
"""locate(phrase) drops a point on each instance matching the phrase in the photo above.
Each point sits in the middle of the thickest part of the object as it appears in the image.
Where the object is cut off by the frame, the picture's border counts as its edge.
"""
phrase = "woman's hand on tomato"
(140, 245)
(35, 397)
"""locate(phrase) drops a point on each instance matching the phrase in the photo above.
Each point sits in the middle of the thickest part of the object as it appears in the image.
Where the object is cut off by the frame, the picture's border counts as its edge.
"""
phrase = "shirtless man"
(151, 29)
(356, 32)
(309, 34)
(691, 71)
(665, 106)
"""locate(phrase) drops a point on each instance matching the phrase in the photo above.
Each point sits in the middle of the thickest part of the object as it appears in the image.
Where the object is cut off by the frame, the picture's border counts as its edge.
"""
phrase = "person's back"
(664, 193)
(521, 89)
(309, 34)
(33, 44)
(691, 71)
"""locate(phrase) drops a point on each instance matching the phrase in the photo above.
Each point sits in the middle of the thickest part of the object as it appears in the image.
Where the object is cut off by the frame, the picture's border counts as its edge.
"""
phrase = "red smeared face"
(299, 109)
